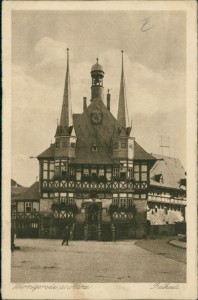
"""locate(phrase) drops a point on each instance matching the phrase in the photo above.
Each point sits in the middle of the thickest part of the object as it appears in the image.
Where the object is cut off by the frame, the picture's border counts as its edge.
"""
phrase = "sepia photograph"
(102, 125)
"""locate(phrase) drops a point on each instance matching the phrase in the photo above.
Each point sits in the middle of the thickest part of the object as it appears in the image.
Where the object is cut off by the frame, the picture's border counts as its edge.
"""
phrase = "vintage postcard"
(99, 150)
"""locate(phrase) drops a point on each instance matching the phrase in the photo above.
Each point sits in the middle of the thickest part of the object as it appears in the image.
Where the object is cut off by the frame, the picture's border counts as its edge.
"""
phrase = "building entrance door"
(93, 220)
(121, 231)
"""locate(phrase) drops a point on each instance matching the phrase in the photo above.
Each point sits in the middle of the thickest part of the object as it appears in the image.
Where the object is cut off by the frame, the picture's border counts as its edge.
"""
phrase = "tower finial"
(97, 60)
(123, 117)
(122, 60)
(67, 58)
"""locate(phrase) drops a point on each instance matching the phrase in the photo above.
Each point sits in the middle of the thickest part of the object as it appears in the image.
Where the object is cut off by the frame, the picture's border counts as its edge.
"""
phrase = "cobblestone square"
(43, 260)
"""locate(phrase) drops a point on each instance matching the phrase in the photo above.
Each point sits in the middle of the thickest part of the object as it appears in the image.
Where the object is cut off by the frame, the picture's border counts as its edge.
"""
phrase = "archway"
(93, 221)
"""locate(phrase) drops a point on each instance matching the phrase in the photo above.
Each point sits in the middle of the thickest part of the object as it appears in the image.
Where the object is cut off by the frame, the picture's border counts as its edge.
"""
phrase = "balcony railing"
(167, 199)
(87, 185)
(27, 215)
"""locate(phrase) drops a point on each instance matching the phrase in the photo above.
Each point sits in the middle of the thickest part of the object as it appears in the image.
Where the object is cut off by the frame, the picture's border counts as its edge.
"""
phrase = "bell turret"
(97, 74)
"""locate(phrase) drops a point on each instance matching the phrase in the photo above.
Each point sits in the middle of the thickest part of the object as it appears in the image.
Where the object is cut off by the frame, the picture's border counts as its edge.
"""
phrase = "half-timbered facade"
(95, 176)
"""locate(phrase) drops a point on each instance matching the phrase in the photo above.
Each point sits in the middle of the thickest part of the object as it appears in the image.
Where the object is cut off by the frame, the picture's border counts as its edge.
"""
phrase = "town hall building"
(96, 178)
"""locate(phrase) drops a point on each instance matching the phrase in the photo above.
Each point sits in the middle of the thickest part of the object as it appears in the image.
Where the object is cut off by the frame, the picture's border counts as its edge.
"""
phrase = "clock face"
(96, 117)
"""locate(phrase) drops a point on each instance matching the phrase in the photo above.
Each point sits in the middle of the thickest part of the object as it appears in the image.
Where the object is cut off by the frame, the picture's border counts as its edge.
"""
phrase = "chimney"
(84, 103)
(108, 100)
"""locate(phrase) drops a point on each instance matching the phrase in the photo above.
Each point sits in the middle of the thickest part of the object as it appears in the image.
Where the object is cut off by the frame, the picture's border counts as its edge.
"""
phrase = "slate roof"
(141, 154)
(89, 134)
(16, 190)
(171, 169)
(48, 153)
(31, 193)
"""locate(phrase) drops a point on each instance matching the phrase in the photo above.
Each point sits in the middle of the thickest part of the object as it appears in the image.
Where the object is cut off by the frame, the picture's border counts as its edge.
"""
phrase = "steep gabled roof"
(171, 170)
(89, 134)
(32, 193)
(141, 154)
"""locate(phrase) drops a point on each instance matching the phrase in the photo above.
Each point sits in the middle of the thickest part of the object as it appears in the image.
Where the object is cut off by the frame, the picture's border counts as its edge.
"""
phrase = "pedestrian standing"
(66, 236)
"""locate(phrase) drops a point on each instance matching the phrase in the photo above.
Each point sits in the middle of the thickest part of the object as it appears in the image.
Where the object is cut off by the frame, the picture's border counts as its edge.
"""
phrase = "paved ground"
(47, 261)
(161, 247)
(178, 243)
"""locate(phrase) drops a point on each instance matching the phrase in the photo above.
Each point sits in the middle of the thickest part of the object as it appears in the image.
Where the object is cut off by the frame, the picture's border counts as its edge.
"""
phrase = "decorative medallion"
(96, 116)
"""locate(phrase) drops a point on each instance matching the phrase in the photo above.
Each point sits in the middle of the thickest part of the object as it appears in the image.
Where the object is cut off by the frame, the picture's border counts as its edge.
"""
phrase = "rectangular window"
(51, 166)
(51, 175)
(94, 148)
(45, 165)
(70, 201)
(144, 168)
(64, 144)
(137, 176)
(123, 145)
(108, 196)
(144, 176)
(93, 171)
(115, 201)
(71, 171)
(130, 201)
(45, 175)
(123, 201)
(136, 168)
(45, 195)
(57, 163)
(28, 206)
(78, 175)
(115, 172)
(57, 144)
(130, 173)
(63, 197)
(63, 165)
(86, 171)
(101, 172)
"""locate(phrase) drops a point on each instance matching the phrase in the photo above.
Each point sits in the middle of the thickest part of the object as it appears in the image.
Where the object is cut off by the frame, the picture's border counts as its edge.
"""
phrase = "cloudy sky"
(155, 74)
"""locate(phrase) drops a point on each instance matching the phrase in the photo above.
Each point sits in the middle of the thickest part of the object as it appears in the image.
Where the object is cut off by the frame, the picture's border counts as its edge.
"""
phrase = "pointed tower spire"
(66, 112)
(123, 118)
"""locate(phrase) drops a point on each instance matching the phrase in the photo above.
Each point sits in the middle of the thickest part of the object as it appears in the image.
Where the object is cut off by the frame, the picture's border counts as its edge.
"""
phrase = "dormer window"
(73, 145)
(94, 148)
(159, 178)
